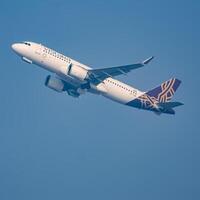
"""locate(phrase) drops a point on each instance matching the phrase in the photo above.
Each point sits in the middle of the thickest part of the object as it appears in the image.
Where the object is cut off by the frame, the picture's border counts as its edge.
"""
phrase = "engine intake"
(77, 72)
(55, 84)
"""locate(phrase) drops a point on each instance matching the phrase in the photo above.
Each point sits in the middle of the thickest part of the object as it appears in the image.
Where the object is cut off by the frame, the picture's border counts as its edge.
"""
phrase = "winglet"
(147, 60)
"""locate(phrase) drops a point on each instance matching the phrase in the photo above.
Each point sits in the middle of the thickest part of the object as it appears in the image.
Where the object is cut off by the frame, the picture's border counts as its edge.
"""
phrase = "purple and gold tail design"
(165, 91)
(161, 95)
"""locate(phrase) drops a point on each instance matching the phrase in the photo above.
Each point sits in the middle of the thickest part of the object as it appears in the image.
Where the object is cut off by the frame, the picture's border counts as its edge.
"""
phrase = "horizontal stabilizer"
(168, 105)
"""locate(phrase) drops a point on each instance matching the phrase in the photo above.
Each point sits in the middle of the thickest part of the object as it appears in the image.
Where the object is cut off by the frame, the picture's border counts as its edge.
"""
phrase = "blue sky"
(53, 146)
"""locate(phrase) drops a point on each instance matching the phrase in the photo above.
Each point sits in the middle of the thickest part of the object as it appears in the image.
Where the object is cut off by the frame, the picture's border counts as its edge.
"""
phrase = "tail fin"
(165, 91)
(158, 99)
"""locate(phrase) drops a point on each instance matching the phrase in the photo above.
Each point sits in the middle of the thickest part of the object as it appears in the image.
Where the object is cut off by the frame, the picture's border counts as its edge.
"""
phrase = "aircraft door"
(41, 54)
(38, 50)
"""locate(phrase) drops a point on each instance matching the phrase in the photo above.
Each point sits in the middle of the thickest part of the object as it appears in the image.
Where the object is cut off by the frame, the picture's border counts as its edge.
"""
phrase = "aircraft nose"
(14, 47)
(17, 48)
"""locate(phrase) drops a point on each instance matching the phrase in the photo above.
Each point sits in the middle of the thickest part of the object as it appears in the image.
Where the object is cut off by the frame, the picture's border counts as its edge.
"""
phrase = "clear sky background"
(53, 146)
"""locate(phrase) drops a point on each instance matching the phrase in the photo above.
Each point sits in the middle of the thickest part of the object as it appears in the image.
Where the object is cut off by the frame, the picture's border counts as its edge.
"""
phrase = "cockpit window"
(27, 43)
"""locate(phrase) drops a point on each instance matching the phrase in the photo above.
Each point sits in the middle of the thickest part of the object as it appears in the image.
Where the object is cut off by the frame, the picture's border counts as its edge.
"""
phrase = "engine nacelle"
(77, 72)
(55, 84)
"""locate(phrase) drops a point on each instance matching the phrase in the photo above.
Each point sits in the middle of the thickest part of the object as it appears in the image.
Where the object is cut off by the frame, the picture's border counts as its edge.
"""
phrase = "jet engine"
(77, 72)
(55, 84)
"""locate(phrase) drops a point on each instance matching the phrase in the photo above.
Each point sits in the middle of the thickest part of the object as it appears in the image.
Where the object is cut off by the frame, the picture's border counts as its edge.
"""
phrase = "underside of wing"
(98, 75)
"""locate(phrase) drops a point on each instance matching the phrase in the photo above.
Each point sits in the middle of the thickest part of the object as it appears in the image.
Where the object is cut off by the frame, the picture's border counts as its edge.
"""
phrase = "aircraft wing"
(96, 76)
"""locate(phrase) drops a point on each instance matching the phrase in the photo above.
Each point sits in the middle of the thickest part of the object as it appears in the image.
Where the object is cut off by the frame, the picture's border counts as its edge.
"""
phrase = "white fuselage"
(59, 64)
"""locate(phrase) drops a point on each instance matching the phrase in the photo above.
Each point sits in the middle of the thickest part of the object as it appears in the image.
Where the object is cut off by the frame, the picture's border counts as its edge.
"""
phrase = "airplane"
(76, 79)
